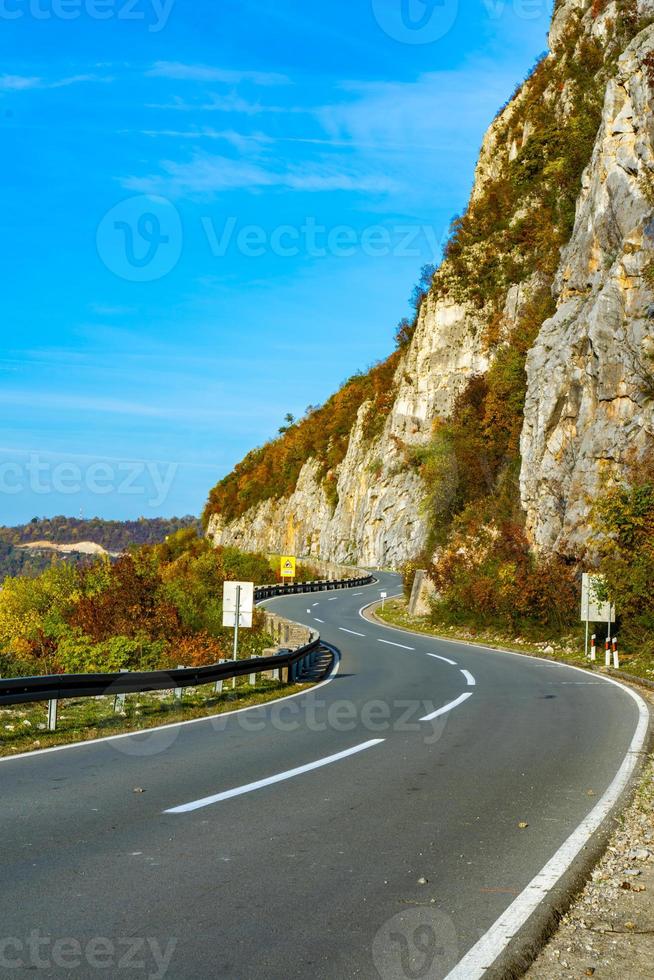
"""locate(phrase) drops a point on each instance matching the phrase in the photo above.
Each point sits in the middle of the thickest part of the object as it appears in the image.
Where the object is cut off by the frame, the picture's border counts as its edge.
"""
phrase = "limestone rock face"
(590, 374)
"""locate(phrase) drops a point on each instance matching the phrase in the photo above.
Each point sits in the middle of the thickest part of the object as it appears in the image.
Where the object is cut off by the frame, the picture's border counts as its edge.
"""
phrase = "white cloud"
(17, 83)
(436, 108)
(209, 174)
(207, 73)
(232, 102)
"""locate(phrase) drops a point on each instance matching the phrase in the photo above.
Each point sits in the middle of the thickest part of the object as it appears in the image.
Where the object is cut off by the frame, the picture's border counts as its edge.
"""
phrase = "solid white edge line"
(391, 644)
(446, 660)
(38, 753)
(353, 632)
(484, 953)
(271, 780)
(469, 678)
(447, 707)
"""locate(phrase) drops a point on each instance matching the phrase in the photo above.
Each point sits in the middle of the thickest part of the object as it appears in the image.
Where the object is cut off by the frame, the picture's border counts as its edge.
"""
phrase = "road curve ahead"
(368, 828)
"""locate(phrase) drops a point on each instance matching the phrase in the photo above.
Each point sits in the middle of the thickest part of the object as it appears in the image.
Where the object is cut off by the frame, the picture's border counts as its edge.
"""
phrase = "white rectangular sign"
(245, 604)
(593, 609)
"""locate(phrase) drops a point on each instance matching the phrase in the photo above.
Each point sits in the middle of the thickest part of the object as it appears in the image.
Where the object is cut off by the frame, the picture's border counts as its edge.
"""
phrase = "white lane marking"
(308, 610)
(447, 707)
(469, 678)
(318, 620)
(375, 602)
(484, 953)
(357, 593)
(444, 659)
(177, 724)
(333, 599)
(391, 644)
(353, 632)
(316, 604)
(270, 780)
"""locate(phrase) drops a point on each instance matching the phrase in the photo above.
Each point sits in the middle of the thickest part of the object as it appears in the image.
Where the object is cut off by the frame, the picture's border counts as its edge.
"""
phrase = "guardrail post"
(52, 715)
(252, 680)
(178, 691)
(119, 703)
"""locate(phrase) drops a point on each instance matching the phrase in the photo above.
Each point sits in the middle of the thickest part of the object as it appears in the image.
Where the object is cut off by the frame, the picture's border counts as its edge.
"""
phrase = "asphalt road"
(386, 846)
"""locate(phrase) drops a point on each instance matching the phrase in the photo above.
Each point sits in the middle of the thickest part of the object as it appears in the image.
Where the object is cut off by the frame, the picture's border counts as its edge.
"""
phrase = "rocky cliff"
(556, 206)
(589, 401)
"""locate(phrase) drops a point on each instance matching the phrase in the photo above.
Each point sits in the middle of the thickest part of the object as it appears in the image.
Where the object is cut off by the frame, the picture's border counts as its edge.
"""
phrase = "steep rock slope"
(589, 403)
(369, 501)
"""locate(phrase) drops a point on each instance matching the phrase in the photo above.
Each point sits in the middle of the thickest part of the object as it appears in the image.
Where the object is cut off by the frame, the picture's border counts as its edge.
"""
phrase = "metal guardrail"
(22, 690)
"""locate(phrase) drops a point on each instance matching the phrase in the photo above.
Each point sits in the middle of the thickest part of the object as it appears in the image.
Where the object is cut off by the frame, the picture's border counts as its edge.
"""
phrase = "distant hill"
(112, 536)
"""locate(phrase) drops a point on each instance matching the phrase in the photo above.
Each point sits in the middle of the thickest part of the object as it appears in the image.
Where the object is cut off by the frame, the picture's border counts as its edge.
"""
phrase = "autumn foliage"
(156, 607)
(272, 471)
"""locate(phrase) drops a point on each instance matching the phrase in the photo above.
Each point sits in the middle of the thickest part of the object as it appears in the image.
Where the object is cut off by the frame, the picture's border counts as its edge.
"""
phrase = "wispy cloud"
(419, 111)
(231, 102)
(18, 83)
(229, 408)
(208, 73)
(209, 174)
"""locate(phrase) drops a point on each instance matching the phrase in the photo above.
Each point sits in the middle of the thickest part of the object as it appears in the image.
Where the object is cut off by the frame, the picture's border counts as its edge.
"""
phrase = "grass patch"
(23, 727)
(568, 649)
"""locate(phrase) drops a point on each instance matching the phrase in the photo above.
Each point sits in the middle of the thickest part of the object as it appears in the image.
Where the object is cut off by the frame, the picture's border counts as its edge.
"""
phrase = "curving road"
(369, 828)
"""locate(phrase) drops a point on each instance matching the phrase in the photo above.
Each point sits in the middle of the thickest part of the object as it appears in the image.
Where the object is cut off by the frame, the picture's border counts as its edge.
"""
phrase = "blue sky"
(212, 214)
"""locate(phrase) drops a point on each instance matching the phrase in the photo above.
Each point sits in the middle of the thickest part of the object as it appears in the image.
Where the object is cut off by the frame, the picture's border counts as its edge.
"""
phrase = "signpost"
(384, 597)
(288, 566)
(238, 608)
(595, 609)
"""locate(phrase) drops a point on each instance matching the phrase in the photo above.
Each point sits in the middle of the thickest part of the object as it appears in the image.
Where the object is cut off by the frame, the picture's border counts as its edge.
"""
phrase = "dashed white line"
(390, 643)
(353, 632)
(446, 660)
(319, 620)
(333, 599)
(270, 780)
(447, 707)
(469, 678)
(316, 604)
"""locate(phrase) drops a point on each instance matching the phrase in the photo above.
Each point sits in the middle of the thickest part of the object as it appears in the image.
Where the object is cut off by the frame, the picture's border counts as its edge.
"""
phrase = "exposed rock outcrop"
(590, 374)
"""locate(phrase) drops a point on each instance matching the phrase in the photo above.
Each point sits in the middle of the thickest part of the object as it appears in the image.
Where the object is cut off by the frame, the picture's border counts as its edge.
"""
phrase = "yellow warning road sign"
(288, 566)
